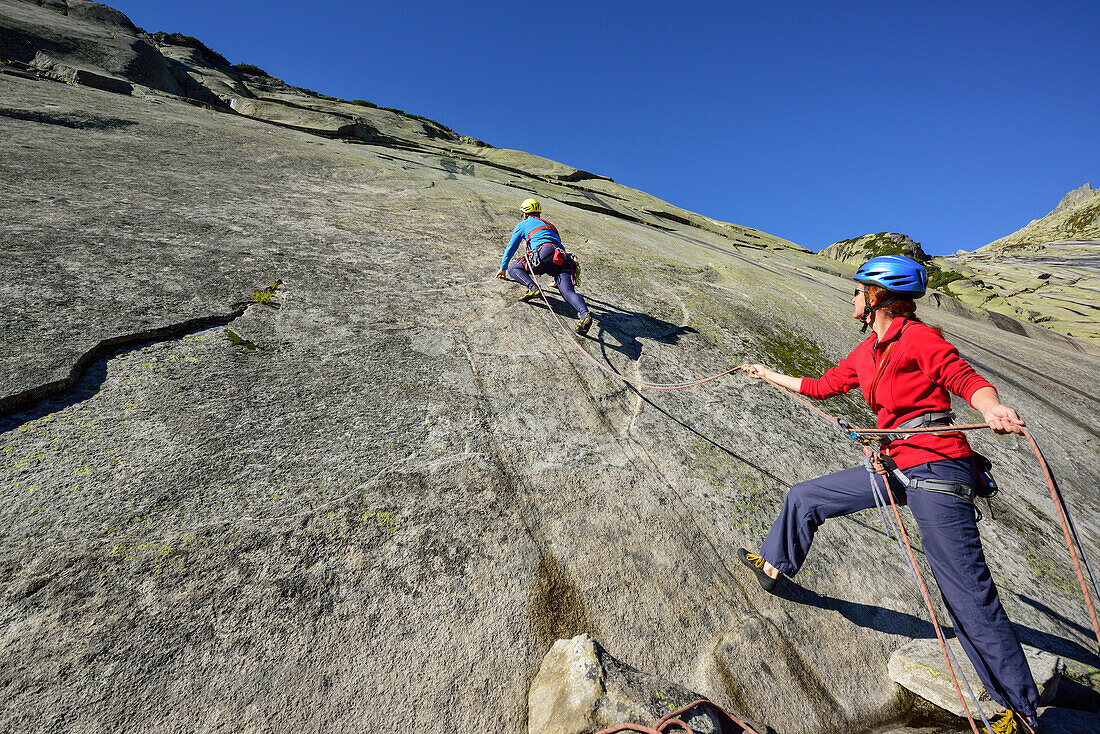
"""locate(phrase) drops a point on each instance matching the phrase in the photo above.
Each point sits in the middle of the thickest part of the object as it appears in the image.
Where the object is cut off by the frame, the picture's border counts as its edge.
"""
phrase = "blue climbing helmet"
(901, 276)
(897, 273)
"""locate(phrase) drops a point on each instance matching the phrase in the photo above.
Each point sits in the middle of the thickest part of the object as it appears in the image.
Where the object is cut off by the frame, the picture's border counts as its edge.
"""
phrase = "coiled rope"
(671, 722)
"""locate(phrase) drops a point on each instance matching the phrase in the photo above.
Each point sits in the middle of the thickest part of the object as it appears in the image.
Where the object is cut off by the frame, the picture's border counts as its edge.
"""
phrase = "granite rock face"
(318, 470)
(68, 43)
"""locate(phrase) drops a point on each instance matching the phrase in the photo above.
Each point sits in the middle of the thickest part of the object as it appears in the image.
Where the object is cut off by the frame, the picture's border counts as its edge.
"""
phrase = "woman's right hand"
(755, 371)
(760, 372)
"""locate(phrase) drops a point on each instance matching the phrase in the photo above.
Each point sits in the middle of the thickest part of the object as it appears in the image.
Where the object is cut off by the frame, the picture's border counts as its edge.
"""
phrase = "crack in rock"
(31, 397)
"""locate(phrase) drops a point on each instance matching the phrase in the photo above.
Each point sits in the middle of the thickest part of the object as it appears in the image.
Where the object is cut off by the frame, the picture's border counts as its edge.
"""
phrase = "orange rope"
(928, 602)
(1063, 517)
(1059, 501)
(663, 725)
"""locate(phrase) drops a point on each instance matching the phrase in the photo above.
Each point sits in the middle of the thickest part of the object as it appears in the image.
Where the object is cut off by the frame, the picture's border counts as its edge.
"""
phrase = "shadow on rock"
(863, 615)
(1055, 645)
(76, 120)
(626, 326)
(87, 386)
(908, 625)
(630, 326)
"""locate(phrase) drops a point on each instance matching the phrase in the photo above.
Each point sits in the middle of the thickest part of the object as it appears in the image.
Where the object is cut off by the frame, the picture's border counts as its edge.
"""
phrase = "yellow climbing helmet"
(531, 206)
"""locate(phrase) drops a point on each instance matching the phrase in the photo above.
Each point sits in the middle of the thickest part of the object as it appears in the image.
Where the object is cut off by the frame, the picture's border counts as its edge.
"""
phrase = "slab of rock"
(580, 688)
(296, 536)
(920, 668)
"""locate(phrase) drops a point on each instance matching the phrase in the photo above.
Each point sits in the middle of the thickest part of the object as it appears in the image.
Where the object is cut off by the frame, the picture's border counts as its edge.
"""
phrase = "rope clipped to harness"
(670, 723)
(897, 530)
(1073, 540)
(605, 368)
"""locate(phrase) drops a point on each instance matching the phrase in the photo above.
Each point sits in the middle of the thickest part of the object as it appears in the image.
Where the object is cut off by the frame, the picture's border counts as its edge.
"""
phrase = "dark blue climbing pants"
(562, 275)
(949, 535)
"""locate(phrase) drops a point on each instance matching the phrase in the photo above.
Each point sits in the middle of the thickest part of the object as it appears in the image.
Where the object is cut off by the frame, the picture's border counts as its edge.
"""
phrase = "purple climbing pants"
(562, 275)
(949, 535)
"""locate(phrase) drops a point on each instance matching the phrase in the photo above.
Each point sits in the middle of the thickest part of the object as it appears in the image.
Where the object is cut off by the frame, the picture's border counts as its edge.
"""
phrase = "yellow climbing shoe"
(534, 293)
(756, 563)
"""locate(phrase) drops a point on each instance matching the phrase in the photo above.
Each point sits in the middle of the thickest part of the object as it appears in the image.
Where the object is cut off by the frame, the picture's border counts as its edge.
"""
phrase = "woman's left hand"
(1003, 419)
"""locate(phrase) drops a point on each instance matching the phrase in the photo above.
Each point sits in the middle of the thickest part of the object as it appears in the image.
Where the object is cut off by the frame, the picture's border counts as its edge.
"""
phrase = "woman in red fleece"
(905, 370)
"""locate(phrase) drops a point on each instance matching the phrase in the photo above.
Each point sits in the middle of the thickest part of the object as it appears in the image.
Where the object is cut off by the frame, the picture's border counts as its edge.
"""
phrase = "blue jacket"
(522, 232)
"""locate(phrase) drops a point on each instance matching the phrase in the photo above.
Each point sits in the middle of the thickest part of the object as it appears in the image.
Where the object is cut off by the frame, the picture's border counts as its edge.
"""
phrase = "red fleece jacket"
(919, 372)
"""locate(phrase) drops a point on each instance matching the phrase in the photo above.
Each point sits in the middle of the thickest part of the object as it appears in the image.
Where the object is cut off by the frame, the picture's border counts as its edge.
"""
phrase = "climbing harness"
(984, 488)
(670, 723)
(1073, 541)
(560, 256)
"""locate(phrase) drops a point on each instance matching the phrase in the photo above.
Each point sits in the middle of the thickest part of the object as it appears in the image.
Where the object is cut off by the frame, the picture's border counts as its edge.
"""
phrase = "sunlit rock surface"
(315, 469)
(920, 667)
(1046, 273)
(580, 687)
(863, 248)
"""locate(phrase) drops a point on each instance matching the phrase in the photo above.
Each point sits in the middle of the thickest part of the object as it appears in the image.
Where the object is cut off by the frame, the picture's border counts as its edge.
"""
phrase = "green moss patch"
(239, 340)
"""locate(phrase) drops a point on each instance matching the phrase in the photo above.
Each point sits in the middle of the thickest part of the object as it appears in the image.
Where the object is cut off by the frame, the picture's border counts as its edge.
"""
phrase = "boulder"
(920, 668)
(580, 688)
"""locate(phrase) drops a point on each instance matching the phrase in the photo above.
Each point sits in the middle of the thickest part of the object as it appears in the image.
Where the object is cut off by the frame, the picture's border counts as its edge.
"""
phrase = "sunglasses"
(857, 291)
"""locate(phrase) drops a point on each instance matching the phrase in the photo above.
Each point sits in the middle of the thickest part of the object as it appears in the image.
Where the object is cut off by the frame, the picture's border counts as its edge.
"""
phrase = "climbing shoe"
(585, 324)
(756, 563)
(533, 293)
(1009, 722)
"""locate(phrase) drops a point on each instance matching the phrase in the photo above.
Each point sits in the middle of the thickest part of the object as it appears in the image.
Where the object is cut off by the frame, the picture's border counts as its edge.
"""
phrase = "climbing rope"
(864, 436)
(605, 368)
(907, 551)
(1073, 540)
(671, 722)
(1069, 531)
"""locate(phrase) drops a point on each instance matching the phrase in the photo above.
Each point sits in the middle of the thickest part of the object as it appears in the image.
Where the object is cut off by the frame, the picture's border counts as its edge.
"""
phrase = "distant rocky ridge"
(1047, 273)
(1076, 218)
(65, 40)
(872, 245)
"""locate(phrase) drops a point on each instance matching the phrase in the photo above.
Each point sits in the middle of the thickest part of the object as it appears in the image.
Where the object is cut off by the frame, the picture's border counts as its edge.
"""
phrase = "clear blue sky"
(955, 123)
